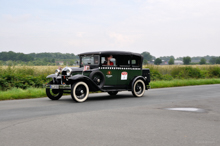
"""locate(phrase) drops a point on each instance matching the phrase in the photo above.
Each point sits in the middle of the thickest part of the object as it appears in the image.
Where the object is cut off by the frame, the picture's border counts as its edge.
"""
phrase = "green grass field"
(17, 93)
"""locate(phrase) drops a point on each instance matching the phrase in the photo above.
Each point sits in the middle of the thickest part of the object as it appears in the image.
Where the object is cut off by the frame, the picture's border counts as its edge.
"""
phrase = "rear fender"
(137, 78)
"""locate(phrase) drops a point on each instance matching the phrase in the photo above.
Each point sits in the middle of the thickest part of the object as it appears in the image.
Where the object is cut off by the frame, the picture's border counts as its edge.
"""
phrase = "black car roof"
(111, 53)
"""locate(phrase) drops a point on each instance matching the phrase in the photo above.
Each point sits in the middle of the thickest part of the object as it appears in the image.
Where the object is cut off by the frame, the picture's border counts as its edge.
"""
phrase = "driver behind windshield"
(107, 60)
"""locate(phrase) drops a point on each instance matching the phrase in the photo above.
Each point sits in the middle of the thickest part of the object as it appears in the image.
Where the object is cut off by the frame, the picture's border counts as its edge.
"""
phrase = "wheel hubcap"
(139, 88)
(80, 92)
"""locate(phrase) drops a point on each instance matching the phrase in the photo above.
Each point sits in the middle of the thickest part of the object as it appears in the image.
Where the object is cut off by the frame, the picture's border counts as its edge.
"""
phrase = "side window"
(133, 62)
(125, 61)
(136, 61)
(112, 61)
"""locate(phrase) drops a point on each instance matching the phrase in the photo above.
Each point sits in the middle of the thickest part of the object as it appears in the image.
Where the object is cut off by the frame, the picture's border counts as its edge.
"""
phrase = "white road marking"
(186, 109)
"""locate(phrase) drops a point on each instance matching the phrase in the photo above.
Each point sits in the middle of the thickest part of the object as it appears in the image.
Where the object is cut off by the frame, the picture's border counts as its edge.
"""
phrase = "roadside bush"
(186, 72)
(214, 71)
(155, 75)
(167, 77)
(20, 78)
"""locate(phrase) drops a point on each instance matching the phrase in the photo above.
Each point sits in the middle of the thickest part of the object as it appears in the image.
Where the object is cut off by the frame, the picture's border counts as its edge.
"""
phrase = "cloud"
(162, 27)
(16, 19)
(121, 40)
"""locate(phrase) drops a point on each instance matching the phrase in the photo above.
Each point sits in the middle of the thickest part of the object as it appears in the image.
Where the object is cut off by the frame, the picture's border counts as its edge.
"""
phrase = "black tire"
(138, 88)
(79, 91)
(112, 93)
(98, 78)
(54, 94)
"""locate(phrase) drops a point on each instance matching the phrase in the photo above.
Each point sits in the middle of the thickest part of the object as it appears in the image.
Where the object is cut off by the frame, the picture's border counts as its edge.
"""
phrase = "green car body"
(93, 74)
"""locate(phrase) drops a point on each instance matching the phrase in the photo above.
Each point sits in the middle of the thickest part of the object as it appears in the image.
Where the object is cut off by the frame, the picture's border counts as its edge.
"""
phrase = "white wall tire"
(138, 88)
(80, 91)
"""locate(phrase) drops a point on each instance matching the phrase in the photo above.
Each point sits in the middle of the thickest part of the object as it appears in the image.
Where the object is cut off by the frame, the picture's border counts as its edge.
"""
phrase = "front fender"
(51, 76)
(92, 85)
(77, 77)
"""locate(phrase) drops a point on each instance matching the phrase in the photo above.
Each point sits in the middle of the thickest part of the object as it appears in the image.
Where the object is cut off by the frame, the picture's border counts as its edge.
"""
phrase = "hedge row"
(187, 72)
(24, 77)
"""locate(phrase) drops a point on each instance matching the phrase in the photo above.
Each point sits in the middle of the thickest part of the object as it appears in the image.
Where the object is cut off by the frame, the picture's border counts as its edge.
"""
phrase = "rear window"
(136, 61)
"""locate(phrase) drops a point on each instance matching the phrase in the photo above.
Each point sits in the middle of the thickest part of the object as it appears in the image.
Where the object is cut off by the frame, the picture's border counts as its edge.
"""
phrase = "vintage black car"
(106, 71)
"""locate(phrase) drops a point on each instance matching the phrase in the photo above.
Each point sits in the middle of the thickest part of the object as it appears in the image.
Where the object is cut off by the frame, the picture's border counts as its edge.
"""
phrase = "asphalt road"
(122, 120)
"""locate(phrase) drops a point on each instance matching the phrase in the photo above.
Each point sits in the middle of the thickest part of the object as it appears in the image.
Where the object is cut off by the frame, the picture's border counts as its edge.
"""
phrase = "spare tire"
(97, 77)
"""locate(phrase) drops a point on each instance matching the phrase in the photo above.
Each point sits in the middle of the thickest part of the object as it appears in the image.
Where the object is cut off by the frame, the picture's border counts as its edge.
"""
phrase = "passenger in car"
(107, 60)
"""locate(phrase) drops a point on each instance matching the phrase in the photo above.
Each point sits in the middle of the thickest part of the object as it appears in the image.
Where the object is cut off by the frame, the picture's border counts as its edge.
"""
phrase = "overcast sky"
(161, 27)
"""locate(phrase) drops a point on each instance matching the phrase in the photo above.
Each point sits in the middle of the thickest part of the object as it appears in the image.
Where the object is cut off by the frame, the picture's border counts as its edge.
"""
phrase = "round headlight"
(57, 71)
(68, 72)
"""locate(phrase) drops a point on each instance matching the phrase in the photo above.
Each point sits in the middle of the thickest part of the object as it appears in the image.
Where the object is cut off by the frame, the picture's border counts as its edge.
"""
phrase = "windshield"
(90, 60)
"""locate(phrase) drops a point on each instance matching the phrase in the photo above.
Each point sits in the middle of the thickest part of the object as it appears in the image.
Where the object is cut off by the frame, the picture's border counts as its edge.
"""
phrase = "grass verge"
(17, 93)
(179, 82)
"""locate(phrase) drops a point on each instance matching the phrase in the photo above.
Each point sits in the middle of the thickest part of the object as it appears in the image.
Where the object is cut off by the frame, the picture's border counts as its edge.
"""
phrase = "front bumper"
(57, 86)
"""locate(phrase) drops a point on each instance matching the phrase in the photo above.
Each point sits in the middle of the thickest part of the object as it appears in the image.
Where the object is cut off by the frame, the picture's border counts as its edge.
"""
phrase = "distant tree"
(217, 60)
(158, 61)
(45, 60)
(171, 61)
(186, 60)
(202, 61)
(147, 56)
(166, 58)
(6, 56)
(213, 60)
(71, 62)
(145, 62)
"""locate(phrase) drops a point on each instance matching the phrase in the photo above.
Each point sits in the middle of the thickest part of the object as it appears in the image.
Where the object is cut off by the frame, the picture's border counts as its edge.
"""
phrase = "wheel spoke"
(139, 88)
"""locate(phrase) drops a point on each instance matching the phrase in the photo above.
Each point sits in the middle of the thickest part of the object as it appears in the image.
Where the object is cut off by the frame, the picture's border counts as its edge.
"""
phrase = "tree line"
(5, 56)
(13, 58)
(148, 58)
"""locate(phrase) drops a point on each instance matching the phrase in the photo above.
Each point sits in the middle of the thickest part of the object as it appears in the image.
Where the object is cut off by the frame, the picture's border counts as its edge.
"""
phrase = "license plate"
(54, 86)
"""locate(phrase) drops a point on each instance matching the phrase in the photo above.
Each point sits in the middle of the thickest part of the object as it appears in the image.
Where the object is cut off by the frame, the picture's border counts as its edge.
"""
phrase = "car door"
(124, 70)
(129, 68)
(110, 72)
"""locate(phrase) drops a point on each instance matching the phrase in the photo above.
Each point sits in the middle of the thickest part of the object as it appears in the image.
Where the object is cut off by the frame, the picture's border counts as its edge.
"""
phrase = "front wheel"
(138, 88)
(54, 94)
(79, 91)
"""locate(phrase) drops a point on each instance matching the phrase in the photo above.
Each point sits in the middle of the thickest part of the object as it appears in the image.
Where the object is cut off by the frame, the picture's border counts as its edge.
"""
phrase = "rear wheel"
(54, 94)
(79, 91)
(112, 93)
(138, 88)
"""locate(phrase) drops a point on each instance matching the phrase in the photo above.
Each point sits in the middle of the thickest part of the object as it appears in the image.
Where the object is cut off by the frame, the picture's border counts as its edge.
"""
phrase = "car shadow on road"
(107, 97)
(98, 97)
